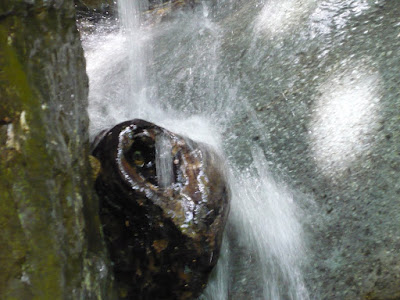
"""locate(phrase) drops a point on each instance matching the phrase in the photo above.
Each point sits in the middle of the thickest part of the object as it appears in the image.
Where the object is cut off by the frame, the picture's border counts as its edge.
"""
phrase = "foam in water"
(263, 245)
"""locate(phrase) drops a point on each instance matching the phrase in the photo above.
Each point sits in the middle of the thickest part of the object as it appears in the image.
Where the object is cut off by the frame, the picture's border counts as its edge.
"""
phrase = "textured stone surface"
(315, 84)
(51, 247)
(164, 205)
(95, 9)
(328, 101)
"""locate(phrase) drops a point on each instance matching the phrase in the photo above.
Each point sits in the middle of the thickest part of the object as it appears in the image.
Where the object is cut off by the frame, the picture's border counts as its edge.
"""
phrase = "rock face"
(51, 246)
(164, 204)
(95, 8)
(162, 10)
(159, 4)
(153, 9)
(321, 77)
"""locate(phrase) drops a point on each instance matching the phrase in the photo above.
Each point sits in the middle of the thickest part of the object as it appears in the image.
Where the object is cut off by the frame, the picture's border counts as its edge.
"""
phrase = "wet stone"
(163, 205)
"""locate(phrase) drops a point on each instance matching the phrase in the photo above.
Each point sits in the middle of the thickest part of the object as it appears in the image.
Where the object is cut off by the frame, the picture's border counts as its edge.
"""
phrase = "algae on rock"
(51, 244)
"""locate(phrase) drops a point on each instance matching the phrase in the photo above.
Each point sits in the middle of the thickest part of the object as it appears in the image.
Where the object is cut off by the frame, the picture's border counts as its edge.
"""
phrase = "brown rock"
(164, 205)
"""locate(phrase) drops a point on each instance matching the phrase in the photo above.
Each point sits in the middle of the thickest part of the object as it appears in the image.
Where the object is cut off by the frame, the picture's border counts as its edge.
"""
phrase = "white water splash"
(264, 216)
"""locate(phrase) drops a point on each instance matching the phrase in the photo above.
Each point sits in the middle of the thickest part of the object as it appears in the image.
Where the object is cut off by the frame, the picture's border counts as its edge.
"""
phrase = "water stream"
(173, 74)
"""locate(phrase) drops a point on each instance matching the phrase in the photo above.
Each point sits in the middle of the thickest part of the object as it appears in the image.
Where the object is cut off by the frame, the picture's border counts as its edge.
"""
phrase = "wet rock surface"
(164, 204)
(51, 245)
(95, 9)
(318, 82)
(98, 9)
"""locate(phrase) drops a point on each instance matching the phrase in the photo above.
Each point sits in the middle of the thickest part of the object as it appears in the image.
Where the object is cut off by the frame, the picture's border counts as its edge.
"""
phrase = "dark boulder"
(164, 205)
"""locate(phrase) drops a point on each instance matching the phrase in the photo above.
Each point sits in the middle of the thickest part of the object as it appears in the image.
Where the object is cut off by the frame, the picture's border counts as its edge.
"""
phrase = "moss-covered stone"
(50, 237)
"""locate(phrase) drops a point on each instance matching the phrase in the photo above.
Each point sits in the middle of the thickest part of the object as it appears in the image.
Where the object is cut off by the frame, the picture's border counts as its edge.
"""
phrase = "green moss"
(43, 182)
(26, 197)
(376, 295)
(13, 85)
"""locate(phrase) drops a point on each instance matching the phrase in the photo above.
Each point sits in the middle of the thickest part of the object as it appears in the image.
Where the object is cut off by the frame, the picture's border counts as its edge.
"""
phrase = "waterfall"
(164, 161)
(171, 74)
(263, 244)
(130, 26)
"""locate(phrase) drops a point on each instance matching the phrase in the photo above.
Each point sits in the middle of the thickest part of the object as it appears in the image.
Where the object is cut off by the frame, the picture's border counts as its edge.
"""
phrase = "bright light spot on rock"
(345, 116)
(280, 16)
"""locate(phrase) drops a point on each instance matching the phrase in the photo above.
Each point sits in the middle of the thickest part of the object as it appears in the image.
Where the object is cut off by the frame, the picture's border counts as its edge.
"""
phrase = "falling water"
(263, 247)
(164, 161)
(130, 21)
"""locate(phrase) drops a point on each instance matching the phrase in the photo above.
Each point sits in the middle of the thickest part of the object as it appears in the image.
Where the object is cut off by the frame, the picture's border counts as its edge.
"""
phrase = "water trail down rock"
(130, 22)
(266, 236)
(164, 161)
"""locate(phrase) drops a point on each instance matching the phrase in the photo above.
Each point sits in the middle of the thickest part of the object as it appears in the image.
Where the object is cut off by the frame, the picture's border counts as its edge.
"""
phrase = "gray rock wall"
(327, 98)
(315, 84)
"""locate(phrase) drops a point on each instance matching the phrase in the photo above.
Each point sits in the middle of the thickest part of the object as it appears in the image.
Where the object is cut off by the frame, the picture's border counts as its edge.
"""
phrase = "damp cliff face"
(327, 98)
(51, 246)
(315, 85)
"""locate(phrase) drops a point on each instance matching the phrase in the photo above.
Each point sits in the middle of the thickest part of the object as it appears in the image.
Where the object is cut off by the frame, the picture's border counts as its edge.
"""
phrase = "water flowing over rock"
(164, 205)
(315, 85)
(97, 9)
(306, 93)
(51, 245)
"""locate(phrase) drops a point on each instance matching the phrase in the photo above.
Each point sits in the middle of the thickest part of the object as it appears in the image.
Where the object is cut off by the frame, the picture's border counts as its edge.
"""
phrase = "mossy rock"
(51, 245)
